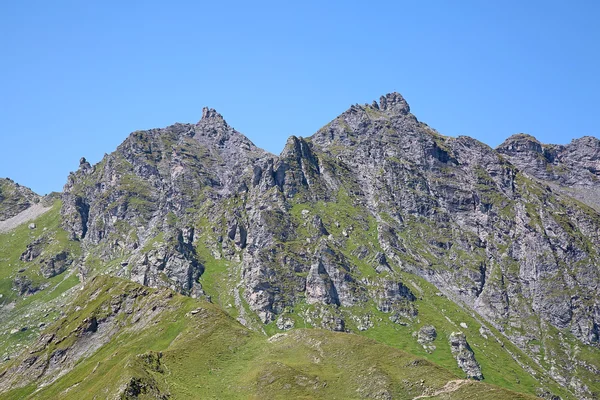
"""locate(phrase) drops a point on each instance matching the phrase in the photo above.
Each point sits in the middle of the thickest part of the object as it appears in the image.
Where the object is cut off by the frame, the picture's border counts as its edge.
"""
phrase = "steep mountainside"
(484, 262)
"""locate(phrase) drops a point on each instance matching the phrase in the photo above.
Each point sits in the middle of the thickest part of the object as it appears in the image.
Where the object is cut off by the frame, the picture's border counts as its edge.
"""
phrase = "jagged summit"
(213, 129)
(211, 114)
(391, 104)
(394, 102)
(369, 123)
(524, 141)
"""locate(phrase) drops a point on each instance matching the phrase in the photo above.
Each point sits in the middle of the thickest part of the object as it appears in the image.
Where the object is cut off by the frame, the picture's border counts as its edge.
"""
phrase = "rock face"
(337, 222)
(177, 261)
(464, 355)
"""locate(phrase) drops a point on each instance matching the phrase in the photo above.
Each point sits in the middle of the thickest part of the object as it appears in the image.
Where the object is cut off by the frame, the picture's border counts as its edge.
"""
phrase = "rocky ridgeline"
(573, 168)
(574, 164)
(333, 223)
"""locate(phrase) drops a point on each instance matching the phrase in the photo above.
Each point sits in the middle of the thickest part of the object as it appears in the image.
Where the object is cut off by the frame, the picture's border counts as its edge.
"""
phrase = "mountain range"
(376, 258)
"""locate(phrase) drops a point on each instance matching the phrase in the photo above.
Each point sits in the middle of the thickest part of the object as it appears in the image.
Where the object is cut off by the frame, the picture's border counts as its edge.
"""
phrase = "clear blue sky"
(77, 76)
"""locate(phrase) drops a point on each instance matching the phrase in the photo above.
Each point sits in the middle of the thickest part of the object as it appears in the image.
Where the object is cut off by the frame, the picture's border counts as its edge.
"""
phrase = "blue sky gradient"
(77, 77)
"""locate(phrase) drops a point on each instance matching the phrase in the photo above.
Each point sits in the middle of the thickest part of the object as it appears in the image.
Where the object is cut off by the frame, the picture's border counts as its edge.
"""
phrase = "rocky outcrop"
(15, 198)
(137, 387)
(56, 264)
(464, 356)
(426, 336)
(51, 262)
(319, 287)
(285, 323)
(34, 249)
(391, 294)
(573, 164)
(24, 286)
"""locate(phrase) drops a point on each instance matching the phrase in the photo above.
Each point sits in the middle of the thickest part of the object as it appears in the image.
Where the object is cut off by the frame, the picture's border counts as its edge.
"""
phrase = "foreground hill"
(468, 257)
(123, 340)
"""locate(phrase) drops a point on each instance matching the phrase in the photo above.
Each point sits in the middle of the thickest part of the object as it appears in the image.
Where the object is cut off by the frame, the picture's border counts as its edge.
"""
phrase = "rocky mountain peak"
(295, 146)
(213, 125)
(519, 143)
(394, 102)
(363, 123)
(211, 115)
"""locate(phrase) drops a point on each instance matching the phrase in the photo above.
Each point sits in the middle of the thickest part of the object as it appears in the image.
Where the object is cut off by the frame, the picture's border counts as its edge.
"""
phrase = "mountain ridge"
(375, 225)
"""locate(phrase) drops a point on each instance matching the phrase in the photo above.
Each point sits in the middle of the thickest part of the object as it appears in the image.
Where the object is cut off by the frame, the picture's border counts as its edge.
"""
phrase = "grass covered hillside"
(122, 340)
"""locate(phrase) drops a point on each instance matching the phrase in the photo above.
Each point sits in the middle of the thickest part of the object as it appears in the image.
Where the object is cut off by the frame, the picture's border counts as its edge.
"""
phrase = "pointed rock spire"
(84, 165)
(211, 115)
(394, 102)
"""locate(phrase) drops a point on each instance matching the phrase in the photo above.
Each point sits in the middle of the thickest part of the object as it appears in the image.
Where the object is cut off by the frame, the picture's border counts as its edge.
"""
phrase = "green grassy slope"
(154, 344)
